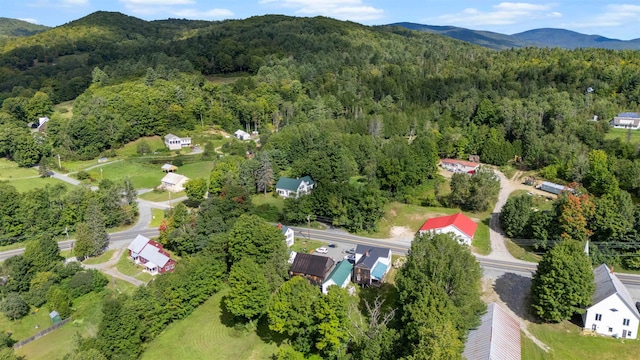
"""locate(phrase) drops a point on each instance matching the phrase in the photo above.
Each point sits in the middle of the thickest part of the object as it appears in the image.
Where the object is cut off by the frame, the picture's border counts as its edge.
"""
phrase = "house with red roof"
(458, 225)
(149, 253)
(461, 166)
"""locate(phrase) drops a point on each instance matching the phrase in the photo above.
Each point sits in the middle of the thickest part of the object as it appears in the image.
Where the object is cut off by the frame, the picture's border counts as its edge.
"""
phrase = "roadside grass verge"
(158, 196)
(61, 341)
(481, 240)
(567, 342)
(303, 245)
(521, 253)
(210, 333)
(102, 258)
(157, 215)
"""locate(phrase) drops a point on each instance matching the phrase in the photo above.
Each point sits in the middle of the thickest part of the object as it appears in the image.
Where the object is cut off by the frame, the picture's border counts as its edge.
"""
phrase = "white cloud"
(29, 20)
(614, 15)
(58, 3)
(173, 8)
(354, 10)
(69, 3)
(504, 13)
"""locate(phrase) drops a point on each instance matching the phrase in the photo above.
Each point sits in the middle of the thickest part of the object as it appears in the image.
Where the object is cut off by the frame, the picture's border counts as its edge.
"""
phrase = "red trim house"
(150, 254)
(461, 166)
(458, 225)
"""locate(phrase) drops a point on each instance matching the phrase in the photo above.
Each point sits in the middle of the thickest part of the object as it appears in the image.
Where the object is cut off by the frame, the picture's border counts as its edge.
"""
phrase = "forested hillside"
(15, 28)
(366, 112)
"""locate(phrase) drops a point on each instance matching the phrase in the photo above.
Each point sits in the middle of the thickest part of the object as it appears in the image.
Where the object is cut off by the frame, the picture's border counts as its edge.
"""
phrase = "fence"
(40, 334)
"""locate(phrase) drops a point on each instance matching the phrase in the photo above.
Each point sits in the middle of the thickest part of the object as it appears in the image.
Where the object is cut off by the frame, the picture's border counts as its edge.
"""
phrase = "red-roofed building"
(459, 165)
(460, 226)
(149, 253)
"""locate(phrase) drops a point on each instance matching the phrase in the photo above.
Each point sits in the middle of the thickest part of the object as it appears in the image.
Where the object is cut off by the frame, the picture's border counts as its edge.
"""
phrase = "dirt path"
(110, 268)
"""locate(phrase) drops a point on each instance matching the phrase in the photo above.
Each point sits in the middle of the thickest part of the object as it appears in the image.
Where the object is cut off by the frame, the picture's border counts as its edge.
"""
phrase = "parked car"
(322, 250)
(350, 258)
(351, 251)
(333, 245)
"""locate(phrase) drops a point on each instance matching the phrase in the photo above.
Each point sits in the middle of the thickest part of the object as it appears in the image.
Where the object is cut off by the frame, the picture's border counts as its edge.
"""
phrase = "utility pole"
(59, 163)
(309, 227)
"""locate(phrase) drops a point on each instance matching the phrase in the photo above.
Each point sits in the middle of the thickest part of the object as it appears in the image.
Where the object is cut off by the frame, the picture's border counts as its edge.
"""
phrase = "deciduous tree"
(249, 291)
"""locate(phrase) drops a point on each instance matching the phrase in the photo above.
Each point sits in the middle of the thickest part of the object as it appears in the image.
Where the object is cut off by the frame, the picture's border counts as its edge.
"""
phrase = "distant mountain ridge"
(18, 28)
(546, 37)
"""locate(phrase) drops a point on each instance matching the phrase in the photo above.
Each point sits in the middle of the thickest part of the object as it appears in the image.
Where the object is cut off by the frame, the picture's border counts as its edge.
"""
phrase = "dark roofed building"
(626, 120)
(315, 268)
(371, 264)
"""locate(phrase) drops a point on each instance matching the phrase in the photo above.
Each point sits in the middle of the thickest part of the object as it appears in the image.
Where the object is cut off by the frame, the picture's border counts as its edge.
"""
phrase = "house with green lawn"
(289, 187)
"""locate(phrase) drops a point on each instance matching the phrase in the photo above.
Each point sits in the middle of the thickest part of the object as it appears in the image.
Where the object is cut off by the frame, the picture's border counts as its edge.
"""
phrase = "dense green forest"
(367, 112)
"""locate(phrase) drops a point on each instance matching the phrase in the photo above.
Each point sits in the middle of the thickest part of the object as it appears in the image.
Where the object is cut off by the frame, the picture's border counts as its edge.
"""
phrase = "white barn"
(173, 182)
(613, 312)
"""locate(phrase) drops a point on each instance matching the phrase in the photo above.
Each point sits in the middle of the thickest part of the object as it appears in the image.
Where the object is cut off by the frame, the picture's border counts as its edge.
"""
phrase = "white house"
(175, 142)
(613, 312)
(288, 187)
(459, 165)
(173, 182)
(458, 225)
(288, 233)
(627, 120)
(371, 264)
(340, 276)
(241, 135)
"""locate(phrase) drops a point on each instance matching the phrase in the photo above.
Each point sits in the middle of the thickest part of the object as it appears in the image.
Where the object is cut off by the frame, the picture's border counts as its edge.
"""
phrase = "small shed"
(554, 188)
(169, 168)
(55, 317)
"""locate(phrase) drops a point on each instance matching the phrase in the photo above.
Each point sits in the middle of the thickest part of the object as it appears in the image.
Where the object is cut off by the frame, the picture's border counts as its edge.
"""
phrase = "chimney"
(279, 226)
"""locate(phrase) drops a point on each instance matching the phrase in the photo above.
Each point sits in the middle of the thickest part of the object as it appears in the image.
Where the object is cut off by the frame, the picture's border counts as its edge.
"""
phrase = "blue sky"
(619, 19)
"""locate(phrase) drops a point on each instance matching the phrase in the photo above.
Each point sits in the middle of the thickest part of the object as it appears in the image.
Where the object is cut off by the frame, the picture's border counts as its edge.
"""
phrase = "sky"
(614, 19)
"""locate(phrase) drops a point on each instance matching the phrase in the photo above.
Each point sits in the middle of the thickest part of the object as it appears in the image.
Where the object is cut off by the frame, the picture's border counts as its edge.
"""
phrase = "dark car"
(333, 245)
(351, 251)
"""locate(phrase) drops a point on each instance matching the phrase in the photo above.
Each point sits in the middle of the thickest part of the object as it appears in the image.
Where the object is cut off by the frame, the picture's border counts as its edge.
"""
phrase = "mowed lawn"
(143, 175)
(9, 170)
(131, 149)
(200, 169)
(203, 335)
(623, 134)
(567, 343)
(413, 216)
(62, 341)
(24, 185)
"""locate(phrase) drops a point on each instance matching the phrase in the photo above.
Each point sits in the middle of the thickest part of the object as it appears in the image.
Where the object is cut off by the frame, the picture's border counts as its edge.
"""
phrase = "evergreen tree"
(96, 222)
(83, 247)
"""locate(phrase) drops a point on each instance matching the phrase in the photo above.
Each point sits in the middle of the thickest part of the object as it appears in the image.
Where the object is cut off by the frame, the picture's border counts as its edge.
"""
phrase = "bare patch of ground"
(401, 232)
(512, 292)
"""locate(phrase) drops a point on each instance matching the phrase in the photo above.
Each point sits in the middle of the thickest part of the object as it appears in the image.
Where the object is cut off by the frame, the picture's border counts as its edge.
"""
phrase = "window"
(594, 327)
(613, 310)
(598, 317)
(610, 329)
(628, 333)
(625, 322)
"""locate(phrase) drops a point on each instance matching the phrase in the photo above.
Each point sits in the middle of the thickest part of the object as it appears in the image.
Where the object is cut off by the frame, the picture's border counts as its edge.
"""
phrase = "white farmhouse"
(289, 235)
(175, 142)
(293, 188)
(613, 312)
(457, 225)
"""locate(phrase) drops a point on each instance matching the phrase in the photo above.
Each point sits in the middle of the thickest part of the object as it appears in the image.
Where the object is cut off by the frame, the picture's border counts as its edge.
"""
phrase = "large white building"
(175, 142)
(457, 225)
(613, 312)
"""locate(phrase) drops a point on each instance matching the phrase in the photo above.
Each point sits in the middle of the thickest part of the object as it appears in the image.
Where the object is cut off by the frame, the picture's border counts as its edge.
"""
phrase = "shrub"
(83, 175)
(14, 307)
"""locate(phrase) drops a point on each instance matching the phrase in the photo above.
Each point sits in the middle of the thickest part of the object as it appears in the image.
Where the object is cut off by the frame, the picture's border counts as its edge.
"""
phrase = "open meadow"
(632, 136)
(208, 333)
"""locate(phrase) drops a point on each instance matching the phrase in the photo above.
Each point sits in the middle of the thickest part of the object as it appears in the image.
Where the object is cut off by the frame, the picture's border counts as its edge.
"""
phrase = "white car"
(322, 250)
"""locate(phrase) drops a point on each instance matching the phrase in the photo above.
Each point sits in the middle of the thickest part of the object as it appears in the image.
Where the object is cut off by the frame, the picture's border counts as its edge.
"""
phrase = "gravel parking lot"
(339, 252)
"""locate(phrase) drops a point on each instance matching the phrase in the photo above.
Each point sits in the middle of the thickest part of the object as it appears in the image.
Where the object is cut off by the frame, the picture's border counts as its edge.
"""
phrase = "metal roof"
(607, 284)
(497, 337)
(379, 270)
(313, 265)
(292, 184)
(138, 244)
(459, 220)
(173, 178)
(153, 254)
(369, 255)
(341, 272)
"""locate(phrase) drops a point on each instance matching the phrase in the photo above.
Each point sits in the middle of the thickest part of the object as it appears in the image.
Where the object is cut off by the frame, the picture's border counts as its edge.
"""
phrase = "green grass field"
(205, 335)
(143, 175)
(9, 170)
(128, 267)
(156, 217)
(24, 185)
(529, 349)
(413, 216)
(306, 246)
(200, 169)
(622, 134)
(162, 196)
(269, 199)
(103, 258)
(567, 343)
(62, 341)
(131, 149)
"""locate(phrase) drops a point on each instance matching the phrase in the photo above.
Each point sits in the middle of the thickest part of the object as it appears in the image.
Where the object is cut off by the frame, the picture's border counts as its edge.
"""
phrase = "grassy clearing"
(121, 287)
(24, 185)
(73, 166)
(481, 240)
(64, 109)
(508, 171)
(306, 246)
(131, 149)
(9, 170)
(268, 207)
(103, 258)
(539, 202)
(200, 169)
(209, 333)
(157, 196)
(622, 134)
(269, 199)
(62, 341)
(157, 215)
(143, 176)
(567, 342)
(128, 267)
